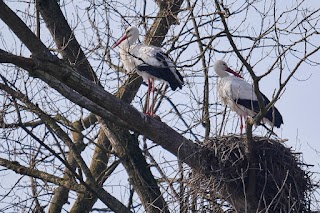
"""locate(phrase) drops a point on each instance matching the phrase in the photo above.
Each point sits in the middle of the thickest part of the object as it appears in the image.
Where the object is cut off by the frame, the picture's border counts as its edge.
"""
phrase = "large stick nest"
(282, 184)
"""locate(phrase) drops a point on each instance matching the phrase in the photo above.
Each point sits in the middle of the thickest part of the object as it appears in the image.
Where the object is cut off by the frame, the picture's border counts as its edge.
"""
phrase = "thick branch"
(148, 190)
(109, 107)
(65, 38)
(28, 38)
(90, 184)
(98, 168)
(121, 109)
(71, 51)
(167, 16)
(127, 148)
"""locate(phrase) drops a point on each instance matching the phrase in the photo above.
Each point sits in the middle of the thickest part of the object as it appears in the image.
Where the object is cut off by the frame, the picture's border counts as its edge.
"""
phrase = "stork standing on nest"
(150, 62)
(239, 95)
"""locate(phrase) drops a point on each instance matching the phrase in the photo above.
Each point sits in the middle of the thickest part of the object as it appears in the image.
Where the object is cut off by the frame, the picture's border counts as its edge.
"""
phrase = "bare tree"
(74, 137)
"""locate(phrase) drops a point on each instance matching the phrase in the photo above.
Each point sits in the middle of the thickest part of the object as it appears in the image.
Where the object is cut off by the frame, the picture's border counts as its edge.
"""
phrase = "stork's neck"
(127, 43)
(222, 73)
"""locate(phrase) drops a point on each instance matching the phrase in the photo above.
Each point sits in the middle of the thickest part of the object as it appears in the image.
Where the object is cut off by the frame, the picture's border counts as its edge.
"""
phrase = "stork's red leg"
(241, 125)
(147, 111)
(153, 97)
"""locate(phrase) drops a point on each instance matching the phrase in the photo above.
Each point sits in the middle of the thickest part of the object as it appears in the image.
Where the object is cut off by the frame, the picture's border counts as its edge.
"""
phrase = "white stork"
(150, 62)
(239, 95)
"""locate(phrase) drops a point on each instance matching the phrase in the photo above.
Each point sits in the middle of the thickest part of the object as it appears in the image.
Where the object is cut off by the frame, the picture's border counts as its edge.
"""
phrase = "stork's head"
(222, 69)
(131, 35)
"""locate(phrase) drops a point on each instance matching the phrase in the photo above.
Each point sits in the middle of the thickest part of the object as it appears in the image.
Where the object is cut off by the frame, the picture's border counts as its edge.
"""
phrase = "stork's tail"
(174, 78)
(274, 116)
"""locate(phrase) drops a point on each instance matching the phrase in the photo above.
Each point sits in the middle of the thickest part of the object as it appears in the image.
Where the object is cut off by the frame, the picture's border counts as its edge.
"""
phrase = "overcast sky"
(298, 105)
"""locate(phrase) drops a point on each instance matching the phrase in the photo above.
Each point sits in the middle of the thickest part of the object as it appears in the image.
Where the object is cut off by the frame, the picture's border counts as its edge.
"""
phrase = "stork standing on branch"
(150, 62)
(239, 95)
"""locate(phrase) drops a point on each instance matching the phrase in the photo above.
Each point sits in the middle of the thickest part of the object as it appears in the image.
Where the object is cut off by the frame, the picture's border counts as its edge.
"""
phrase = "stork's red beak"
(119, 42)
(234, 73)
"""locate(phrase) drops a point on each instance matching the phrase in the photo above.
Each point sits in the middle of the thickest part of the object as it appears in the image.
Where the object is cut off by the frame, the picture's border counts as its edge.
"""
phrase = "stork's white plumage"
(239, 95)
(150, 62)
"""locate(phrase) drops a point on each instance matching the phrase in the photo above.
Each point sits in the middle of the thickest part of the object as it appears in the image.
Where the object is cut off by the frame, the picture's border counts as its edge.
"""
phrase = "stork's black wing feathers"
(161, 57)
(272, 115)
(163, 72)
